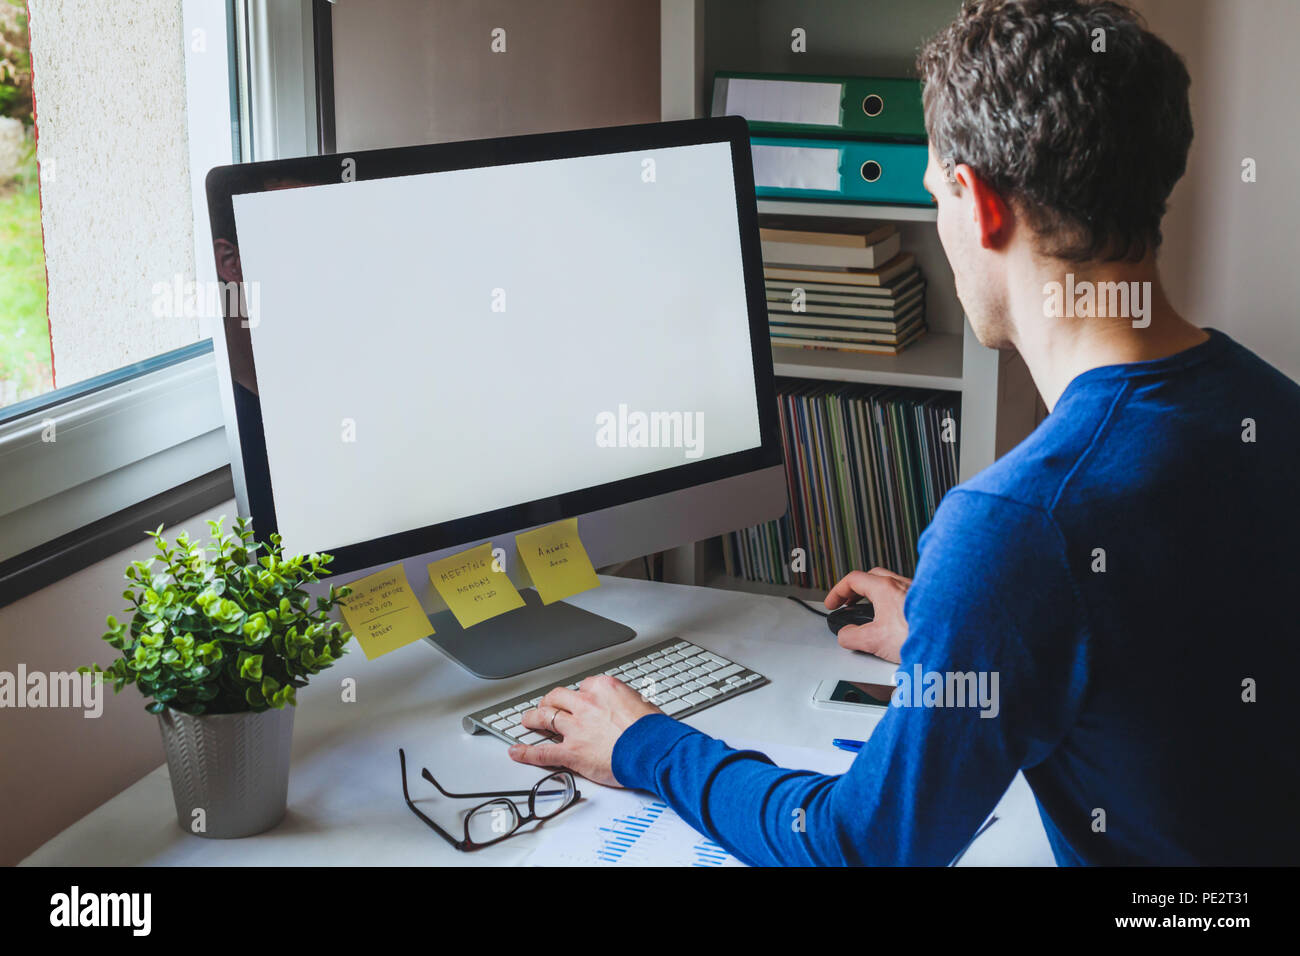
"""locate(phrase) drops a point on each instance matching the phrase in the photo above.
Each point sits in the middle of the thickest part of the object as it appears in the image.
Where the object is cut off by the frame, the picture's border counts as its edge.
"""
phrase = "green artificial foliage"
(220, 630)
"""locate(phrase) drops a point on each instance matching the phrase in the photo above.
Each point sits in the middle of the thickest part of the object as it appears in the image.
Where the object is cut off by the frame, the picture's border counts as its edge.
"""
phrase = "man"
(1128, 572)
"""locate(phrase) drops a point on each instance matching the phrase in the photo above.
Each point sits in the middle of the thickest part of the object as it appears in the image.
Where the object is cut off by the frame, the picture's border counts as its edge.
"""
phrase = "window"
(25, 366)
(109, 384)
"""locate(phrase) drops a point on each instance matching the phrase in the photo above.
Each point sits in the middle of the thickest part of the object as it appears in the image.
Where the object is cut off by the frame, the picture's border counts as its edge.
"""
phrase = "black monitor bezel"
(225, 182)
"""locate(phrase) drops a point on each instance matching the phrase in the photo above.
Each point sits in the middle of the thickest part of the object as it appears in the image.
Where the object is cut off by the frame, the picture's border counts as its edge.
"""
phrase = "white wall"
(412, 71)
(1229, 255)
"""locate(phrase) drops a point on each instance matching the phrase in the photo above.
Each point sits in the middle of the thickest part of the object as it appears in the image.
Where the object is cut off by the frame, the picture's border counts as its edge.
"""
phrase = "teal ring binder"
(863, 171)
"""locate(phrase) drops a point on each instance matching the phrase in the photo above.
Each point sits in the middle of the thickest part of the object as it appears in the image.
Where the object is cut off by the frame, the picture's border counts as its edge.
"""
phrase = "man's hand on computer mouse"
(590, 720)
(886, 590)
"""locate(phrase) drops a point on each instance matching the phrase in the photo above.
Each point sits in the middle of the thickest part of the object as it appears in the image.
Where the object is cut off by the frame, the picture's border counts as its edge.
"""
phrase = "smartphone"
(851, 695)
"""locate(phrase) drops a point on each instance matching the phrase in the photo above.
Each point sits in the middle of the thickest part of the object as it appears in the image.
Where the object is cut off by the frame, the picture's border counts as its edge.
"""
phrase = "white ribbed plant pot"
(229, 772)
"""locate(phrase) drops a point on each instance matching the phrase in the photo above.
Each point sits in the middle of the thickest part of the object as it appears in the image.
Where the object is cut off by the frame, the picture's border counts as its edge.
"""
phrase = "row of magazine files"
(866, 467)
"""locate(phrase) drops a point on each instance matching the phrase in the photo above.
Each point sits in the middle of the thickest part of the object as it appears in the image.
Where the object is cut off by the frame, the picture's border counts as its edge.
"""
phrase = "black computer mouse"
(860, 613)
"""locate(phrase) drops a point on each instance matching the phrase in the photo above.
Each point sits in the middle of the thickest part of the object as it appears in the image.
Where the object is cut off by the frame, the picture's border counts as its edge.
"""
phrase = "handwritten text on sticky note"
(383, 612)
(556, 560)
(473, 587)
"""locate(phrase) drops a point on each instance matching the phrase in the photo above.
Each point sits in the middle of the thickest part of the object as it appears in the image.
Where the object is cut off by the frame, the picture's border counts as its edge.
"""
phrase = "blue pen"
(852, 746)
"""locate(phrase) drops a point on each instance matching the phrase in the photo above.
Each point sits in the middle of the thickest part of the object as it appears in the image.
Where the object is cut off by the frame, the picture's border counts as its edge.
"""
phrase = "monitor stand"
(526, 638)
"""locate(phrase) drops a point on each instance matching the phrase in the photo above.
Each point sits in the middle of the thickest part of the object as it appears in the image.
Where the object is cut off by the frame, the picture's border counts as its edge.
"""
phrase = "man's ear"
(993, 215)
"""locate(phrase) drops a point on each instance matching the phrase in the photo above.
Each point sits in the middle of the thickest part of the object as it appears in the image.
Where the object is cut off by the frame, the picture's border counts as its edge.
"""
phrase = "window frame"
(148, 444)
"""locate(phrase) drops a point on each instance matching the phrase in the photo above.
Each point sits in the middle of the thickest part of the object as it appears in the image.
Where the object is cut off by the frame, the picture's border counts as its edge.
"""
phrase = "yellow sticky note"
(556, 560)
(472, 588)
(384, 613)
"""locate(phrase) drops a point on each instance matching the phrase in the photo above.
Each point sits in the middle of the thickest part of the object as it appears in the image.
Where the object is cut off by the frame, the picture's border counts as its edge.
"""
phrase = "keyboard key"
(695, 698)
(709, 692)
(532, 738)
(518, 731)
(728, 671)
(501, 725)
(674, 707)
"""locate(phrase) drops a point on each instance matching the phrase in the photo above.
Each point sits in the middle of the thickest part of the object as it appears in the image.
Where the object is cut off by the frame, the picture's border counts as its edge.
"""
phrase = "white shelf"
(846, 210)
(933, 362)
(731, 583)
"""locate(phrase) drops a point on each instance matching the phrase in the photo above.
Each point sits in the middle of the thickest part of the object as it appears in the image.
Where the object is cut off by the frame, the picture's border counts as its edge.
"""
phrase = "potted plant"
(220, 640)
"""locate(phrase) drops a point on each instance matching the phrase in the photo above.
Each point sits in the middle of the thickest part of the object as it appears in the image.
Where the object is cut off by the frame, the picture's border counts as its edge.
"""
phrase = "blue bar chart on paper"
(613, 827)
(640, 831)
(708, 853)
(625, 833)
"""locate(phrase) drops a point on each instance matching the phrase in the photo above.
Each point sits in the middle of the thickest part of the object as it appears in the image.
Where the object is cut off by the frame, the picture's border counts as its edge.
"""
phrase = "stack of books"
(842, 285)
(866, 468)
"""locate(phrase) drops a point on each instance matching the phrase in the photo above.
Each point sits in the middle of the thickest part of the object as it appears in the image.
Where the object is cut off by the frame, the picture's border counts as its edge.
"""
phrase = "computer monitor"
(437, 346)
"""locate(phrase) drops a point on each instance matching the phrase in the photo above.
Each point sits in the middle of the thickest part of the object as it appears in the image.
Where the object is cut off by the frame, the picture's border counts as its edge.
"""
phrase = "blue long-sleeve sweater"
(1131, 572)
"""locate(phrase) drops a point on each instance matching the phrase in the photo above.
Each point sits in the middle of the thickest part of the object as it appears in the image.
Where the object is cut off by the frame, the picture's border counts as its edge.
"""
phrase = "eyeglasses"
(499, 818)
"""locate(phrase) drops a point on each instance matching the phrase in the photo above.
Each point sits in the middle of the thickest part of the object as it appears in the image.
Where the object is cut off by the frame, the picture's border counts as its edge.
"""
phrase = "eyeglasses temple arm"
(469, 796)
(457, 844)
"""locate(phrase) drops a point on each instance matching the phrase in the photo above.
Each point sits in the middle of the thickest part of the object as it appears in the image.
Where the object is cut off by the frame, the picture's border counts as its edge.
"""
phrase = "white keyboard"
(674, 675)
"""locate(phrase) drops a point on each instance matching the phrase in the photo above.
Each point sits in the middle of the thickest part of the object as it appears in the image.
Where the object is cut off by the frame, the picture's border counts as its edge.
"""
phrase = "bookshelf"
(870, 37)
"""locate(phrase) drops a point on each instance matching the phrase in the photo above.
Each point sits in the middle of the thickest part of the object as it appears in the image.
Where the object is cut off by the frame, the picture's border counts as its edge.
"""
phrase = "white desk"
(345, 798)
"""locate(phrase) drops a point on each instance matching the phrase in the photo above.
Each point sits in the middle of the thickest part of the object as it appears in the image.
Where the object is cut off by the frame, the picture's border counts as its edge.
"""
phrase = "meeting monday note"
(474, 585)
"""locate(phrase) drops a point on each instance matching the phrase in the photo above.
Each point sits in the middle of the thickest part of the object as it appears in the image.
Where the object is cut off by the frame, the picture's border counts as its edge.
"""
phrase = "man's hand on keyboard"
(590, 720)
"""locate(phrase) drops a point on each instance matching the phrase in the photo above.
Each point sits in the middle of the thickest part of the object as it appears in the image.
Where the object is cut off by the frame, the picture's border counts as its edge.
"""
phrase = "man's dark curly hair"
(1086, 145)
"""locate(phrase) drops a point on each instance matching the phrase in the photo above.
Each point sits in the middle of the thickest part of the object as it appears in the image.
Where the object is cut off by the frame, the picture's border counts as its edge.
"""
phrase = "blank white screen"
(374, 307)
